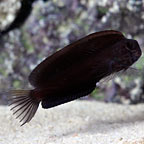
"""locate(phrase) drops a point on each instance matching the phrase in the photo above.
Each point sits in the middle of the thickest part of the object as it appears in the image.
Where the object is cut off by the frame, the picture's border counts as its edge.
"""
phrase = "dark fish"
(74, 71)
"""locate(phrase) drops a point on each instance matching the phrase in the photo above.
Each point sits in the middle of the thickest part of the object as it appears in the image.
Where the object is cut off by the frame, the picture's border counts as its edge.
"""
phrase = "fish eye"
(131, 44)
(128, 45)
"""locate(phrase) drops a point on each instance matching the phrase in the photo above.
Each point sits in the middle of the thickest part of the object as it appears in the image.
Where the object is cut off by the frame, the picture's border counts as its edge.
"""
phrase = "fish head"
(125, 53)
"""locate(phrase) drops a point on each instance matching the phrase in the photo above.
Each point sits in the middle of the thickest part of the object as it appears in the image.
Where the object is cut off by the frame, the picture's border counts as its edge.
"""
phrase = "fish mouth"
(136, 56)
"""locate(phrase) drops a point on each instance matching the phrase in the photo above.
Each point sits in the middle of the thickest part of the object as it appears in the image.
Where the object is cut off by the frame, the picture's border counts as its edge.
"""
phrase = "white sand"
(78, 122)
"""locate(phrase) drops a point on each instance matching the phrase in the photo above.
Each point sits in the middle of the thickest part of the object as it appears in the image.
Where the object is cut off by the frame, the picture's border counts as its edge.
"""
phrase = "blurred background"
(31, 30)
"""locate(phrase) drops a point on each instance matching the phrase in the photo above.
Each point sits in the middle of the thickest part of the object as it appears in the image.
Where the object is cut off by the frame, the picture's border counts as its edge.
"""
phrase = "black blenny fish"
(73, 71)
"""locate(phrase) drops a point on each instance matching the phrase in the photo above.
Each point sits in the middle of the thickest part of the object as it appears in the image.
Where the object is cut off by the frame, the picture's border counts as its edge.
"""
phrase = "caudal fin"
(23, 105)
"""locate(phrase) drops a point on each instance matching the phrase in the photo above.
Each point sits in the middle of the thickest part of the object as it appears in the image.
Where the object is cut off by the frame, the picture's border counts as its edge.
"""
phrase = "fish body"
(73, 71)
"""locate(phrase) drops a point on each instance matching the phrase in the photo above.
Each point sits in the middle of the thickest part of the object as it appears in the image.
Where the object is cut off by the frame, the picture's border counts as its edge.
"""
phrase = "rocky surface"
(78, 122)
(8, 10)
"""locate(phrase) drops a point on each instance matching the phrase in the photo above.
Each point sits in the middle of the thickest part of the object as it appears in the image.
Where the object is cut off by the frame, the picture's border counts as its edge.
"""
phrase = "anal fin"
(52, 101)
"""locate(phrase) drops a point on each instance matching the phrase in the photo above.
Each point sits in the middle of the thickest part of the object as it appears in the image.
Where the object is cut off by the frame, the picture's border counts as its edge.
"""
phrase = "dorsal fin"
(72, 54)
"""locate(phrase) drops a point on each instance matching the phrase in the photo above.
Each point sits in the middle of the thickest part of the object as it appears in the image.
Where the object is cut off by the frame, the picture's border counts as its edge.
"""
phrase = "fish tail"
(23, 104)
